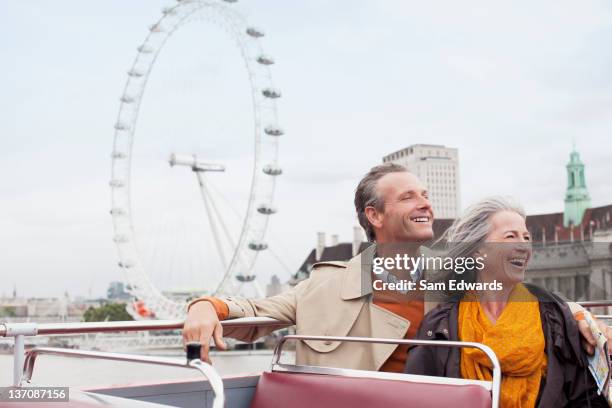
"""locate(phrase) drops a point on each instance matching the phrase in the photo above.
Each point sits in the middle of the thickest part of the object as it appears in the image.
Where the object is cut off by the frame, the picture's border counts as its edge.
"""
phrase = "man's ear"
(374, 216)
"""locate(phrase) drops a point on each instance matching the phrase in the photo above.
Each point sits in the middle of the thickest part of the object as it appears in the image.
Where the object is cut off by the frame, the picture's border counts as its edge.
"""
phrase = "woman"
(531, 330)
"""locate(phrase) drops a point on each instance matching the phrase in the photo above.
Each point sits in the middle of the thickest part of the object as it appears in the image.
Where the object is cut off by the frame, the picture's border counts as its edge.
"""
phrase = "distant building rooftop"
(344, 251)
(543, 227)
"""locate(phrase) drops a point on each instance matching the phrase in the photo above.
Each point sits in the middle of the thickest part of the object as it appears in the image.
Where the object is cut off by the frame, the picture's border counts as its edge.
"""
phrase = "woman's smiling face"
(507, 249)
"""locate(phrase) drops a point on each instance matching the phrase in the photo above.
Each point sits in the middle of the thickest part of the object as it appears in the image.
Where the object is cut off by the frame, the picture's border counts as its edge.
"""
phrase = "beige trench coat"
(335, 301)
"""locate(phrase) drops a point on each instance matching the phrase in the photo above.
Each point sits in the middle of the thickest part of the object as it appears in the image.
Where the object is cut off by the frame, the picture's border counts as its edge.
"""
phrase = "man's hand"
(588, 340)
(201, 324)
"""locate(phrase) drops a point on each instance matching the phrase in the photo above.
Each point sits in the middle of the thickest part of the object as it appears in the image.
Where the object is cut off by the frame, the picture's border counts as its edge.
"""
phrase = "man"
(337, 299)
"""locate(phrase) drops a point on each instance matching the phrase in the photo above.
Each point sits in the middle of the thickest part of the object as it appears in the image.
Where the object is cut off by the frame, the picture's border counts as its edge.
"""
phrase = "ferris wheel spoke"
(228, 235)
(258, 290)
(211, 220)
(279, 260)
(228, 204)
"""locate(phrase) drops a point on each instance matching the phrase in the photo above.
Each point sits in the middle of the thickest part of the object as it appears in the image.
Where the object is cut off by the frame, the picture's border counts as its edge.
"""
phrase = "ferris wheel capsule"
(245, 278)
(271, 93)
(134, 73)
(274, 131)
(266, 209)
(117, 183)
(145, 49)
(122, 126)
(265, 60)
(156, 28)
(272, 170)
(255, 32)
(258, 246)
(117, 211)
(126, 264)
(126, 99)
(120, 238)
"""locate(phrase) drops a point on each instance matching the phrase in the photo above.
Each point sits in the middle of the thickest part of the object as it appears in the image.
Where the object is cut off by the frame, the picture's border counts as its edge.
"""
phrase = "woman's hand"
(588, 340)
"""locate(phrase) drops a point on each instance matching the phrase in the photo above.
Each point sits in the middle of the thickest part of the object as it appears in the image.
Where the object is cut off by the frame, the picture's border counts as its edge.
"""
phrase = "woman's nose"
(522, 245)
(526, 240)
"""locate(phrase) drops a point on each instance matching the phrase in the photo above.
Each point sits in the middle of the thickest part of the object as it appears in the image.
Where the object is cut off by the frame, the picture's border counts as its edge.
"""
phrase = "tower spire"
(577, 199)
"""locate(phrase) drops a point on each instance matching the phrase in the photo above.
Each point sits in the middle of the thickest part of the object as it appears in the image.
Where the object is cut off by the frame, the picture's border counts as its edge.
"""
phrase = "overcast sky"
(509, 84)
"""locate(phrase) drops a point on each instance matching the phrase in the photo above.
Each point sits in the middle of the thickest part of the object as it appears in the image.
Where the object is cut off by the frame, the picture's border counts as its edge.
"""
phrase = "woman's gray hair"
(473, 226)
(469, 232)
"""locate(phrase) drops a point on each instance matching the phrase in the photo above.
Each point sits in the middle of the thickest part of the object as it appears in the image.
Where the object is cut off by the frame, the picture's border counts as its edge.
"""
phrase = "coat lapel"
(385, 325)
(342, 313)
(357, 281)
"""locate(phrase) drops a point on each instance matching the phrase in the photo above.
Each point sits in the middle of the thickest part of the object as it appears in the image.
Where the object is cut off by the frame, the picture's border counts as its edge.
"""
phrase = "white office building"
(438, 167)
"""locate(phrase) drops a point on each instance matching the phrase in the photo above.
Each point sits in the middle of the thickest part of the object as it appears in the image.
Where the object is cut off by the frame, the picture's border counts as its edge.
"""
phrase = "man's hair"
(366, 194)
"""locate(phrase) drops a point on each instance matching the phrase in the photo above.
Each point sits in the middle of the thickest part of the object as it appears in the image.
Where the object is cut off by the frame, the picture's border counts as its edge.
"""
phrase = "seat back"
(296, 390)
(306, 386)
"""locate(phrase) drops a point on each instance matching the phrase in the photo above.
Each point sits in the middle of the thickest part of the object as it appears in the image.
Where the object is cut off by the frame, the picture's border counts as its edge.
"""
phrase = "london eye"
(238, 247)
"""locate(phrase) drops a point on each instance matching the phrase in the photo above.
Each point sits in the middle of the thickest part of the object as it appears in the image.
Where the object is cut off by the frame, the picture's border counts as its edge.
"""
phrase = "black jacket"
(568, 382)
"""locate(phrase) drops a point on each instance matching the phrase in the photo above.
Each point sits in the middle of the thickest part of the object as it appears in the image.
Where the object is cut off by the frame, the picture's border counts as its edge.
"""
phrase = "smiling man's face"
(407, 215)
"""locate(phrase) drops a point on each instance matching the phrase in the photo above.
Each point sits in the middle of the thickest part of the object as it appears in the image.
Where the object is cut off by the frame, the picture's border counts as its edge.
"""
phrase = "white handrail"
(33, 329)
(206, 369)
(595, 303)
(496, 382)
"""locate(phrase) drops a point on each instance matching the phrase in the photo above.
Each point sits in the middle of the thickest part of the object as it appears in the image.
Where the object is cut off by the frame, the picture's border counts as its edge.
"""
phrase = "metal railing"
(601, 304)
(24, 364)
(278, 367)
(20, 330)
(206, 369)
(596, 303)
(33, 329)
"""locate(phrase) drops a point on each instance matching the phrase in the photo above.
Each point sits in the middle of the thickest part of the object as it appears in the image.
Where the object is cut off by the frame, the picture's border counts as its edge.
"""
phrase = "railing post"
(18, 358)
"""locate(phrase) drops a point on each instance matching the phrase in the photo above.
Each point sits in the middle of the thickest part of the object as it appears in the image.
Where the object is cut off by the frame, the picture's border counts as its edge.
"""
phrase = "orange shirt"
(220, 306)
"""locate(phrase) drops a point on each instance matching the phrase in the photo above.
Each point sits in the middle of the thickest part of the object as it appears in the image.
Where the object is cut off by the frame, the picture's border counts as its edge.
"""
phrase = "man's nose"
(424, 203)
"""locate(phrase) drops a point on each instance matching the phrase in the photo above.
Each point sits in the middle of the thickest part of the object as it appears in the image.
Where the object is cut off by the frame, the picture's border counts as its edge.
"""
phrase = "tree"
(7, 311)
(109, 312)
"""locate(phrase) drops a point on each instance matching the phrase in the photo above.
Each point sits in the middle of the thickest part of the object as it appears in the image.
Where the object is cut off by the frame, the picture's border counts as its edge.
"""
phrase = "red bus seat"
(296, 390)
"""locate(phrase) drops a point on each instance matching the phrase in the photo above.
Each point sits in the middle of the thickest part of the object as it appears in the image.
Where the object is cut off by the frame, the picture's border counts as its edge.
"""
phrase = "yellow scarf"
(516, 338)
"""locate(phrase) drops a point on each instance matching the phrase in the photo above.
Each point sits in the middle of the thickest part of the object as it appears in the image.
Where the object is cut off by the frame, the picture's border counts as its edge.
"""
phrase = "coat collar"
(358, 277)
